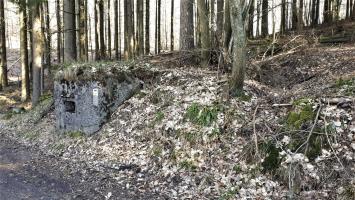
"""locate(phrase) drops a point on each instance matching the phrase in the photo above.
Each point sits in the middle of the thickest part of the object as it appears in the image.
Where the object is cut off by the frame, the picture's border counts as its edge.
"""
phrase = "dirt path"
(20, 178)
(28, 174)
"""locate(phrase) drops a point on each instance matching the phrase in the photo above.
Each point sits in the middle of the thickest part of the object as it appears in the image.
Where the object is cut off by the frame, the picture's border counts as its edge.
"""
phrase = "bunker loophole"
(69, 106)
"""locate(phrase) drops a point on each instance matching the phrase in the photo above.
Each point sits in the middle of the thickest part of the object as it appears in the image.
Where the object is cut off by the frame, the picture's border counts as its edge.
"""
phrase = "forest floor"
(182, 137)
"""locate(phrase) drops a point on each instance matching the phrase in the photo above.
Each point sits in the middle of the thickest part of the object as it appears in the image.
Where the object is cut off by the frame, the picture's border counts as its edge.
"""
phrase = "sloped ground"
(182, 137)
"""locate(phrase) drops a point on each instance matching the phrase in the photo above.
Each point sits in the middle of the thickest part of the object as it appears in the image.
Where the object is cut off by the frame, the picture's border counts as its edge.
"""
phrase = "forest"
(177, 99)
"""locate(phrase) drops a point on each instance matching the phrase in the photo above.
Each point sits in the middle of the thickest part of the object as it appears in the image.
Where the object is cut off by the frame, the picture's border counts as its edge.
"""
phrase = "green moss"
(347, 84)
(8, 115)
(75, 134)
(191, 137)
(302, 115)
(349, 192)
(229, 194)
(45, 97)
(193, 112)
(188, 165)
(272, 160)
(237, 169)
(157, 150)
(31, 135)
(314, 147)
(244, 97)
(159, 116)
(202, 115)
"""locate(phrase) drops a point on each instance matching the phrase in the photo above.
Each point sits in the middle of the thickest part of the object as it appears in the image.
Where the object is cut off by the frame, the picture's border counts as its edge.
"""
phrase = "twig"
(331, 147)
(311, 131)
(314, 125)
(255, 135)
(282, 105)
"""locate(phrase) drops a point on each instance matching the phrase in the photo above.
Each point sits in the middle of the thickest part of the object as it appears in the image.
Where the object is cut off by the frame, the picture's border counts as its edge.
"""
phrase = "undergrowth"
(202, 115)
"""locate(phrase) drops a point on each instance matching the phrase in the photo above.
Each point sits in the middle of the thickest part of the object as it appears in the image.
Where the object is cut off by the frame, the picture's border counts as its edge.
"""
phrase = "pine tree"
(25, 79)
(205, 32)
(70, 52)
(147, 24)
(3, 60)
(186, 25)
(38, 48)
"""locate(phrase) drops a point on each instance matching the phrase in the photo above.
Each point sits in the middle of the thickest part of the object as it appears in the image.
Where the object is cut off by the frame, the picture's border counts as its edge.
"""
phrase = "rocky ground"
(291, 134)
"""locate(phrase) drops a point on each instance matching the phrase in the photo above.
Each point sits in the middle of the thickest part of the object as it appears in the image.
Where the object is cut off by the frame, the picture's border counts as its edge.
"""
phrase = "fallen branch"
(255, 134)
(282, 105)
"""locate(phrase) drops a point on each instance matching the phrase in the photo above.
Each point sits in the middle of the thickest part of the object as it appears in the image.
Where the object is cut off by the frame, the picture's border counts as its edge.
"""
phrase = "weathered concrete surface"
(85, 106)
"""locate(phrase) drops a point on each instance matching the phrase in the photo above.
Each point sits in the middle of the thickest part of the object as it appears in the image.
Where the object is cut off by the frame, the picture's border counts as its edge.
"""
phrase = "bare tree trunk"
(48, 36)
(172, 26)
(116, 29)
(140, 27)
(129, 30)
(109, 28)
(300, 16)
(69, 31)
(220, 19)
(25, 79)
(147, 24)
(186, 25)
(251, 19)
(283, 17)
(205, 33)
(82, 30)
(212, 23)
(59, 33)
(158, 25)
(38, 45)
(102, 29)
(3, 60)
(258, 16)
(97, 44)
(227, 25)
(265, 19)
(239, 48)
(294, 15)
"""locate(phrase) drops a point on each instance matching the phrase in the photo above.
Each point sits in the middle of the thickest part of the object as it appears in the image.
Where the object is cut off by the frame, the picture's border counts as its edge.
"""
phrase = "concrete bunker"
(85, 97)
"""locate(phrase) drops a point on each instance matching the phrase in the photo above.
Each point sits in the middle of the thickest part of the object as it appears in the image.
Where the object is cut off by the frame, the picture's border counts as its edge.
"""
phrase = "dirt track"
(28, 174)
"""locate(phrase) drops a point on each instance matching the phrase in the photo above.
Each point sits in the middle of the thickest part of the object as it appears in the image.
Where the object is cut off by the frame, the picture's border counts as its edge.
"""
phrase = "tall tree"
(38, 48)
(147, 24)
(265, 18)
(172, 26)
(109, 28)
(116, 29)
(205, 32)
(300, 16)
(102, 29)
(59, 31)
(186, 25)
(283, 17)
(69, 31)
(220, 18)
(82, 30)
(48, 34)
(25, 79)
(128, 30)
(158, 27)
(294, 15)
(237, 8)
(251, 19)
(140, 27)
(96, 20)
(227, 25)
(3, 60)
